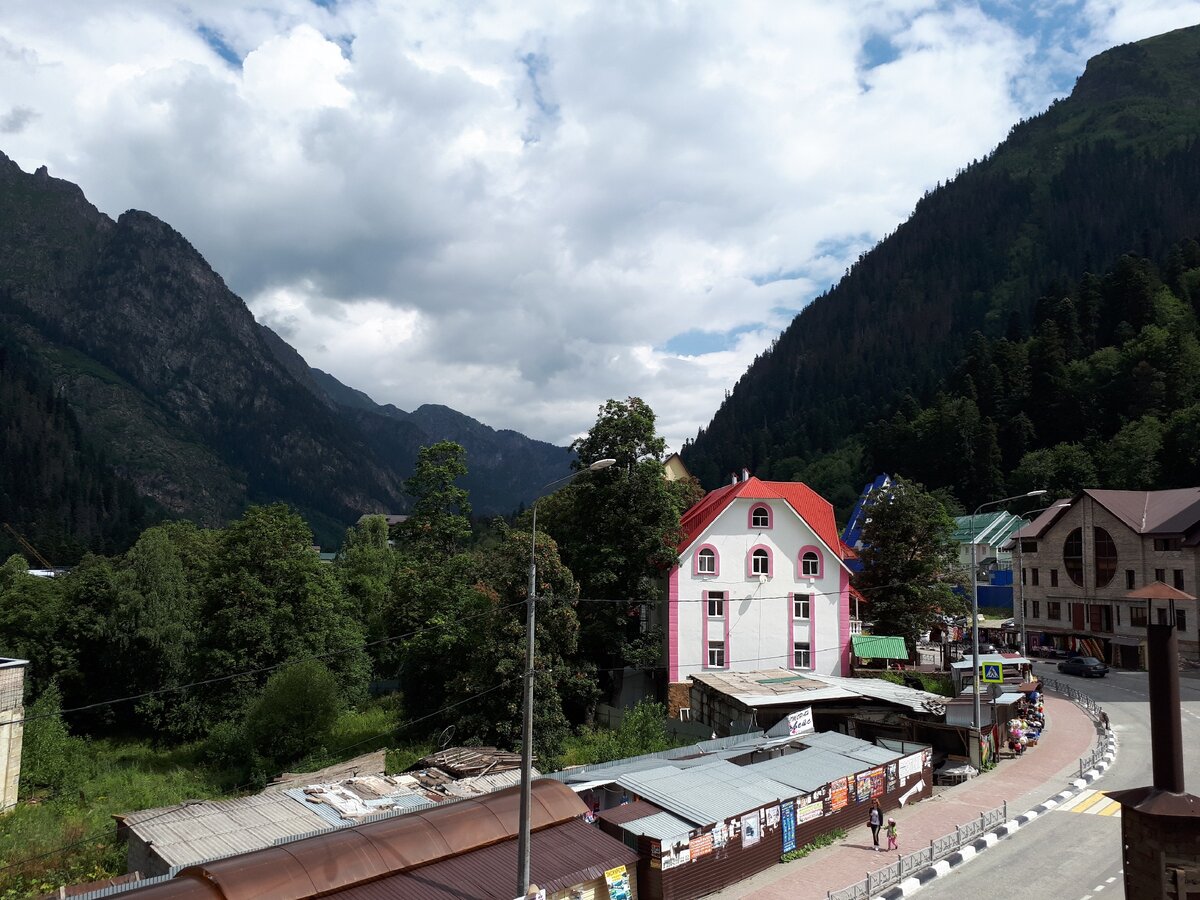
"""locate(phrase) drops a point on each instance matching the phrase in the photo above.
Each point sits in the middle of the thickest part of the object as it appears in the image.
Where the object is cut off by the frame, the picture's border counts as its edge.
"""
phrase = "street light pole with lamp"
(527, 709)
(975, 711)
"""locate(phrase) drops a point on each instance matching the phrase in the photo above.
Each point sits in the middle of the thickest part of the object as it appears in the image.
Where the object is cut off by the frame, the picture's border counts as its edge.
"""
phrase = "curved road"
(1077, 855)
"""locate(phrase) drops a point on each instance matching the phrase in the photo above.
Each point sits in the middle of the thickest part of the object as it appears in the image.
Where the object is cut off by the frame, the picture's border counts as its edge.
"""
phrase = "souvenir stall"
(1027, 722)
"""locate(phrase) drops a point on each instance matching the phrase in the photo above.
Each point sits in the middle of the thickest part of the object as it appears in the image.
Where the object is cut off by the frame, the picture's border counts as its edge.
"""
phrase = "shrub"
(294, 714)
(50, 757)
(821, 840)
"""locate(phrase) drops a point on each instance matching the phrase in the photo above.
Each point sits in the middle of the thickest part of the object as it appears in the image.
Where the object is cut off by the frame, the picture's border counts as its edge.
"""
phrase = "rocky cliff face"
(195, 402)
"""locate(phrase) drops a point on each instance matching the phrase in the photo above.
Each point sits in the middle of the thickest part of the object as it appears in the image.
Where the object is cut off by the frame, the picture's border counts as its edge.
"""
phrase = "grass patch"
(821, 840)
(933, 682)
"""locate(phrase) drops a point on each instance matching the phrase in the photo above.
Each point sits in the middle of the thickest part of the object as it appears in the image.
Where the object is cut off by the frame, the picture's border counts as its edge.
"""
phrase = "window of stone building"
(1178, 580)
(1054, 578)
(1129, 576)
(1073, 556)
(1106, 556)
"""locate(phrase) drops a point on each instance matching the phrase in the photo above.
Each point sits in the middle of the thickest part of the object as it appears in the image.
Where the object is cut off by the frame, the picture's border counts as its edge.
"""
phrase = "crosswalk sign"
(993, 673)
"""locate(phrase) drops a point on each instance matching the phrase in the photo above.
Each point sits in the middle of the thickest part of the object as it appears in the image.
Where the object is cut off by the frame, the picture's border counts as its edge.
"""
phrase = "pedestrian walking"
(1104, 720)
(875, 822)
(893, 843)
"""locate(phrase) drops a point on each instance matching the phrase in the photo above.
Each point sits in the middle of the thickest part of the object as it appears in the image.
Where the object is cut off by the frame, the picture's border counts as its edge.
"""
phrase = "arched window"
(1106, 556)
(760, 561)
(760, 516)
(706, 561)
(1073, 556)
(810, 563)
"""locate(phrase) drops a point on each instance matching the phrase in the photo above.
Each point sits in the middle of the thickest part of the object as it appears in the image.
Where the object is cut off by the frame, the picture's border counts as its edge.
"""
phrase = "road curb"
(918, 880)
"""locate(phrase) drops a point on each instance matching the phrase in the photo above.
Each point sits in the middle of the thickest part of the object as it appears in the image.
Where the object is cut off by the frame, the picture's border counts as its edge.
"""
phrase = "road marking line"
(1110, 880)
(1079, 798)
(1098, 888)
(1112, 808)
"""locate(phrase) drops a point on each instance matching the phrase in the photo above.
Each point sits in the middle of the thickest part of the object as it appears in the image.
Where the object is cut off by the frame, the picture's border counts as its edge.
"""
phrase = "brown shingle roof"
(1174, 511)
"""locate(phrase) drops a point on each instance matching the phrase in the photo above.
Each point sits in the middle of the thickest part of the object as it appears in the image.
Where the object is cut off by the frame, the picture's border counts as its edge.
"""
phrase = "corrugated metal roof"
(560, 858)
(876, 756)
(746, 779)
(809, 769)
(878, 646)
(694, 795)
(660, 827)
(879, 689)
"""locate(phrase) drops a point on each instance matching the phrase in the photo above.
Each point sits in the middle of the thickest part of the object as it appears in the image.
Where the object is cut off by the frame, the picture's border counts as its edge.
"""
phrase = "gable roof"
(1175, 511)
(810, 506)
(992, 528)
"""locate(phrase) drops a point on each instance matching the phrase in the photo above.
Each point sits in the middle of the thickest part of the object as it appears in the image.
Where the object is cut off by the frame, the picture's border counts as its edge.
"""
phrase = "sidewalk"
(1023, 782)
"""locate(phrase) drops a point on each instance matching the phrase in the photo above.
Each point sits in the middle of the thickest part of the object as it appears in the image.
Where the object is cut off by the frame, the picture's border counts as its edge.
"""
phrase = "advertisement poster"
(838, 794)
(618, 883)
(719, 836)
(809, 807)
(701, 845)
(877, 782)
(751, 830)
(772, 813)
(926, 757)
(893, 776)
(910, 766)
(862, 787)
(789, 827)
(800, 722)
(675, 852)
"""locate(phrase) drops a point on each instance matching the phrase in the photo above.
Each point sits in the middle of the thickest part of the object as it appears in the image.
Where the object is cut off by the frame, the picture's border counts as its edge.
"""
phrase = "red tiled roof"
(808, 504)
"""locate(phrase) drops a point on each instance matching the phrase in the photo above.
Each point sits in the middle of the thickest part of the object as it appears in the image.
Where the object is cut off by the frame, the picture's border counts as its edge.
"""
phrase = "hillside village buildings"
(761, 582)
(1080, 562)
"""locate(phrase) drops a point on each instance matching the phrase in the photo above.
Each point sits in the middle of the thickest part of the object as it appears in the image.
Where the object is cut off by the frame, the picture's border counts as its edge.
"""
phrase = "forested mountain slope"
(169, 378)
(1113, 168)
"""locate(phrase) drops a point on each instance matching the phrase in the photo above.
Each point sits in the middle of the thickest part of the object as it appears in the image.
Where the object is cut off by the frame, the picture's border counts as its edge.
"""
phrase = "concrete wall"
(758, 624)
(12, 690)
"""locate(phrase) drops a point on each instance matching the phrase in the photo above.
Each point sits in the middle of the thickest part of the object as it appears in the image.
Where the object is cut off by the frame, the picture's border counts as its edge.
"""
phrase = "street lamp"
(527, 713)
(976, 716)
(1021, 569)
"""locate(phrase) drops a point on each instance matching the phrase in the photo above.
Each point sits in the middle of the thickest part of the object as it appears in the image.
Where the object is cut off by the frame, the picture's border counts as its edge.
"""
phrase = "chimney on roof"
(733, 478)
(745, 474)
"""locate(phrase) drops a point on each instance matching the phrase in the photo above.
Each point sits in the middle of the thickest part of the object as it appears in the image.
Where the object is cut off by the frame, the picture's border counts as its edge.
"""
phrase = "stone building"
(1079, 561)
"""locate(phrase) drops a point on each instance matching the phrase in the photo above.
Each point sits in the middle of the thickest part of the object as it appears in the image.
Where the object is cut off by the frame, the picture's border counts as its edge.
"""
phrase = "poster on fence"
(701, 845)
(772, 814)
(788, 815)
(675, 852)
(751, 829)
(838, 794)
(926, 757)
(910, 766)
(618, 883)
(892, 776)
(877, 782)
(809, 807)
(862, 787)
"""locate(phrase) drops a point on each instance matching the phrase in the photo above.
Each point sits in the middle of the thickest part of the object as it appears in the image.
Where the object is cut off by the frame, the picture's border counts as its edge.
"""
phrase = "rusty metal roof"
(638, 809)
(560, 858)
(1158, 590)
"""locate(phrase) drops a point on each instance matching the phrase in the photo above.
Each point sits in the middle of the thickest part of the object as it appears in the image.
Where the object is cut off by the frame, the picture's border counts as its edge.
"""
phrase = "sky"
(522, 209)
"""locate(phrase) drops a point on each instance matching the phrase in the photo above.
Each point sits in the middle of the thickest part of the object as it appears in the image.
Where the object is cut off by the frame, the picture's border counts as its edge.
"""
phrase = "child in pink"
(891, 834)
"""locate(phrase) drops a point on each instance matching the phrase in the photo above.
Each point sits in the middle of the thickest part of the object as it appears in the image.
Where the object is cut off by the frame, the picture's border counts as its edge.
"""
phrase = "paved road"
(1075, 854)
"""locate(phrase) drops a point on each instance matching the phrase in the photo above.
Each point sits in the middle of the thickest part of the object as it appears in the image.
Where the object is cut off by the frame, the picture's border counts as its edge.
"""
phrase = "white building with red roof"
(761, 582)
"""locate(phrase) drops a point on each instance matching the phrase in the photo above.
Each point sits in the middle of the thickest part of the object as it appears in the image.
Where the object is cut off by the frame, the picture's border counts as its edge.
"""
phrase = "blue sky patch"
(217, 43)
(697, 343)
(878, 50)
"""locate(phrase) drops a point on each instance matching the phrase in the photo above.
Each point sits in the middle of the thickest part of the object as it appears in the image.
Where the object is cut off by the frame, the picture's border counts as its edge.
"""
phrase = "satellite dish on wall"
(762, 579)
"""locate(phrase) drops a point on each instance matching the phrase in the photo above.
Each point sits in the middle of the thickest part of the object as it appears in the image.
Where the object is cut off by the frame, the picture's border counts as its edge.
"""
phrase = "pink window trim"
(750, 573)
(750, 517)
(820, 562)
(812, 630)
(725, 628)
(716, 562)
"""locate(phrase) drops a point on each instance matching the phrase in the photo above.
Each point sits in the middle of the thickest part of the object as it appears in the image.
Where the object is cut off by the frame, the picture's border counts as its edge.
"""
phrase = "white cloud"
(511, 210)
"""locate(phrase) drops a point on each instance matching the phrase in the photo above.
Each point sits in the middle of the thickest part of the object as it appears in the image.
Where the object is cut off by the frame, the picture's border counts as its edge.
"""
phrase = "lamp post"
(527, 709)
(976, 715)
(1021, 569)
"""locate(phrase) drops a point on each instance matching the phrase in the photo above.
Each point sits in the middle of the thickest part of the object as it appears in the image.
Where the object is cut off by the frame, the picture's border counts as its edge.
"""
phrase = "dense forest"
(1112, 170)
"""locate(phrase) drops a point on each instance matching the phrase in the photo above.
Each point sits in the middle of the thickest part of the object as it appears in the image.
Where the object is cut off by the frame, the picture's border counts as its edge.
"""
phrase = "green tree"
(910, 562)
(441, 514)
(269, 600)
(50, 757)
(1062, 470)
(496, 650)
(366, 568)
(1130, 461)
(295, 712)
(31, 611)
(618, 530)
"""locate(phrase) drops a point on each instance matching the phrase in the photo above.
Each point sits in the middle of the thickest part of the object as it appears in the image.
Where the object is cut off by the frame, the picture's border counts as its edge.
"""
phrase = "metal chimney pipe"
(1166, 729)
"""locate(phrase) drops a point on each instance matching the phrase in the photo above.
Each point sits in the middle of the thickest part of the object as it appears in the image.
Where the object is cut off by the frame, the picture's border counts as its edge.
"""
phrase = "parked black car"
(1088, 666)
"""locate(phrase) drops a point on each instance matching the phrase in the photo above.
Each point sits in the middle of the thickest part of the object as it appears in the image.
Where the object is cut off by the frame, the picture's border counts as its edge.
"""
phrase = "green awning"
(876, 646)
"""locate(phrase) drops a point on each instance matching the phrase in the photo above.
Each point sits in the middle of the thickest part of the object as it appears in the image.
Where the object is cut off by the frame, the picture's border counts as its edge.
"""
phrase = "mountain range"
(169, 399)
(1110, 172)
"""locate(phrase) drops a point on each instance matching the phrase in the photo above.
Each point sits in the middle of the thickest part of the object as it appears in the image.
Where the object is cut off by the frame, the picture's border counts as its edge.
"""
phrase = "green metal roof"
(876, 646)
(987, 528)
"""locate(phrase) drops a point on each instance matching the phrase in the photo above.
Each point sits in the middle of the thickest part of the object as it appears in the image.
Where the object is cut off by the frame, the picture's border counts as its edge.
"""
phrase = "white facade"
(727, 610)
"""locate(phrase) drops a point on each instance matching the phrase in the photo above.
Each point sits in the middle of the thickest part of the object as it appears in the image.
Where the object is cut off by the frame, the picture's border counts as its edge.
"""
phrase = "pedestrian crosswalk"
(1092, 803)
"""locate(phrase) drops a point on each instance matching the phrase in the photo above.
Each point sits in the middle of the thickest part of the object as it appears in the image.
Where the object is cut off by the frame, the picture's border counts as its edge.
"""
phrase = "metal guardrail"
(940, 848)
(907, 864)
